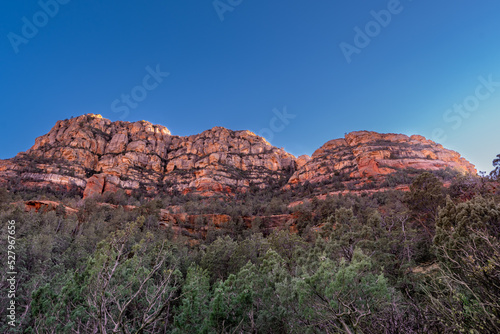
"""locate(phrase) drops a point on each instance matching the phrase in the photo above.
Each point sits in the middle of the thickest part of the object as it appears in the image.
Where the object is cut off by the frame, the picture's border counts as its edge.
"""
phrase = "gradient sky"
(238, 63)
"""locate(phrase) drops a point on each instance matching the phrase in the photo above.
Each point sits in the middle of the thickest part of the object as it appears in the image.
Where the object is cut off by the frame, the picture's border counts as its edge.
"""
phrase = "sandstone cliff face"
(97, 155)
(197, 226)
(365, 157)
(94, 155)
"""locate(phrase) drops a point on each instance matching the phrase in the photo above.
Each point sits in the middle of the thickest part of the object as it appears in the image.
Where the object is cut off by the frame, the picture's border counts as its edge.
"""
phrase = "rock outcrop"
(92, 155)
(197, 226)
(46, 206)
(95, 155)
(366, 159)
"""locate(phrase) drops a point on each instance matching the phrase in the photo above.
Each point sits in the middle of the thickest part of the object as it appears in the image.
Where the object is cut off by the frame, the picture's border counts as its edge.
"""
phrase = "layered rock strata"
(96, 155)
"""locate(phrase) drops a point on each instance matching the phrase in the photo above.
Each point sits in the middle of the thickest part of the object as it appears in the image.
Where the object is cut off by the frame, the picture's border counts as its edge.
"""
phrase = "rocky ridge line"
(93, 155)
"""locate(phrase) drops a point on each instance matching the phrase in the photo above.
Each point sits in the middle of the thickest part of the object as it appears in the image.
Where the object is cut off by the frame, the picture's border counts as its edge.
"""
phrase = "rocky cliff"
(93, 155)
(367, 160)
(96, 155)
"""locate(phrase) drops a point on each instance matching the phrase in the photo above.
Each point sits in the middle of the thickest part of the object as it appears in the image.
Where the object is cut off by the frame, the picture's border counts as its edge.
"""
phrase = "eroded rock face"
(221, 160)
(95, 185)
(96, 155)
(47, 206)
(198, 226)
(368, 157)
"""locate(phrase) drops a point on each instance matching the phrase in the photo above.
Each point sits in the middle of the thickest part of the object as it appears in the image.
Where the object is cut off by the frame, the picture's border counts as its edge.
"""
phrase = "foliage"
(468, 249)
(424, 199)
(391, 262)
(495, 173)
(126, 286)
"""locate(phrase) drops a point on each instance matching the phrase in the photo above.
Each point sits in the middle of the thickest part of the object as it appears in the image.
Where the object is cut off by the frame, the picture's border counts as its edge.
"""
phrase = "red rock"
(43, 206)
(95, 185)
(369, 157)
(123, 155)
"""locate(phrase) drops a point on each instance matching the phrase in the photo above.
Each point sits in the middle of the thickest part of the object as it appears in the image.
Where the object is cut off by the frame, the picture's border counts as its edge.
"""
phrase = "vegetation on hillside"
(425, 261)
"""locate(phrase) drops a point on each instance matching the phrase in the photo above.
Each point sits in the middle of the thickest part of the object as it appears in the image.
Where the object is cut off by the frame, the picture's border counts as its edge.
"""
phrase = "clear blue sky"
(232, 62)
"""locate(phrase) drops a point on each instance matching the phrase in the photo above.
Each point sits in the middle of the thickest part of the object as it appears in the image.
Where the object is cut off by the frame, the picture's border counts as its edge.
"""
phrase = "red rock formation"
(46, 206)
(198, 225)
(365, 157)
(95, 185)
(95, 155)
(192, 225)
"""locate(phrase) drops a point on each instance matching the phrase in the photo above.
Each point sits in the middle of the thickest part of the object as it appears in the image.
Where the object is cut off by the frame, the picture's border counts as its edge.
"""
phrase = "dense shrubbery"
(427, 261)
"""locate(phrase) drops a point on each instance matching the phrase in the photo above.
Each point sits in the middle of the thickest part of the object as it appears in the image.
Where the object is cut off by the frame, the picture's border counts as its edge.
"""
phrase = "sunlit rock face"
(95, 155)
(365, 157)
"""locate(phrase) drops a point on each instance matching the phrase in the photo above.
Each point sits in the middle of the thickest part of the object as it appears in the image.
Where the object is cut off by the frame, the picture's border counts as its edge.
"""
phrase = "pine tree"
(495, 174)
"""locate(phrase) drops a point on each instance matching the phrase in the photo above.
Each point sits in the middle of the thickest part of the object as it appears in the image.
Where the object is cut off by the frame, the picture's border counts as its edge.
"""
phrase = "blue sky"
(298, 72)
